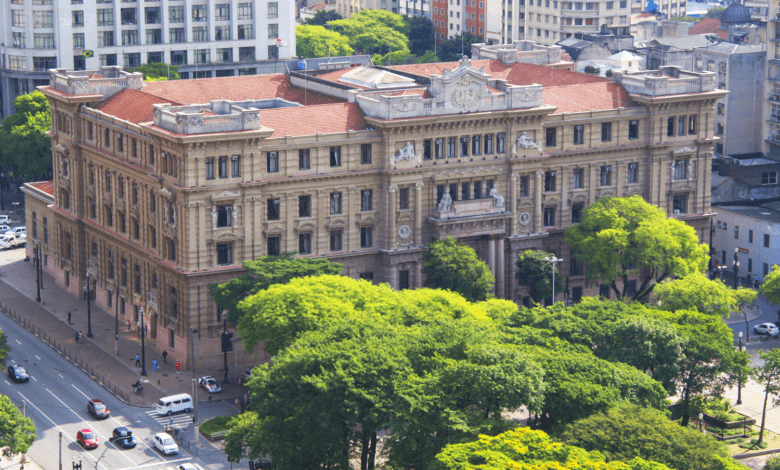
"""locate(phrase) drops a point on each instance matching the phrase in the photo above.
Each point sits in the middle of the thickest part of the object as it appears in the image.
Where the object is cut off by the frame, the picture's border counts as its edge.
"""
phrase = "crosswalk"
(177, 420)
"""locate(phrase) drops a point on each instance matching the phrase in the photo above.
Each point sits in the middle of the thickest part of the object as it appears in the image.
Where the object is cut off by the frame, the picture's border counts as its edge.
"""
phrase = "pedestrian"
(137, 360)
(78, 335)
(69, 323)
(165, 355)
(128, 325)
(154, 365)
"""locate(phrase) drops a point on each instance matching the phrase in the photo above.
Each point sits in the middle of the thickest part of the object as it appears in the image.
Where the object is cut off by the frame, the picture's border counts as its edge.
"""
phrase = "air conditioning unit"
(677, 212)
(234, 158)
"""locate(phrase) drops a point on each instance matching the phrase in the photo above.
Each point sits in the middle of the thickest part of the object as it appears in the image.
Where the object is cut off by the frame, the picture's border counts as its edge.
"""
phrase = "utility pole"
(36, 262)
(143, 346)
(24, 408)
(226, 345)
(89, 308)
(195, 430)
(60, 450)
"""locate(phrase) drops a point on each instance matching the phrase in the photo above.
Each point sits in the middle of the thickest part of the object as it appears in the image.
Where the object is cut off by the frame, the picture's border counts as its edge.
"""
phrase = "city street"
(56, 398)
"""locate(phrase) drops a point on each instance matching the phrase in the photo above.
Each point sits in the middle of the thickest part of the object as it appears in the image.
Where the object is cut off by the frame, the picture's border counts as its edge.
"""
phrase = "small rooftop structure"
(370, 77)
(668, 80)
(736, 13)
(527, 52)
(104, 81)
(217, 116)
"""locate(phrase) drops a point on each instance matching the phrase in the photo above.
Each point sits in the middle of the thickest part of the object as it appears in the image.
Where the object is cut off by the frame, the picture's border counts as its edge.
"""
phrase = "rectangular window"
(222, 33)
(210, 168)
(335, 240)
(200, 34)
(129, 38)
(488, 142)
(766, 240)
(152, 15)
(576, 213)
(577, 178)
(222, 167)
(272, 162)
(304, 206)
(224, 253)
(200, 12)
(304, 243)
(273, 31)
(77, 17)
(464, 146)
(476, 145)
(524, 190)
(369, 276)
(19, 41)
(274, 209)
(235, 166)
(273, 9)
(721, 108)
(365, 154)
(750, 236)
(154, 36)
(366, 200)
(680, 204)
(223, 216)
(335, 203)
(465, 192)
(633, 130)
(549, 181)
(273, 52)
(176, 14)
(222, 12)
(680, 169)
(335, 157)
(403, 279)
(551, 134)
(43, 19)
(245, 54)
(692, 125)
(438, 148)
(736, 232)
(366, 237)
(129, 16)
(18, 20)
(177, 36)
(500, 143)
(681, 125)
(44, 40)
(451, 147)
(427, 155)
(403, 198)
(769, 177)
(606, 131)
(606, 175)
(579, 135)
(631, 177)
(304, 161)
(274, 246)
(549, 216)
(244, 11)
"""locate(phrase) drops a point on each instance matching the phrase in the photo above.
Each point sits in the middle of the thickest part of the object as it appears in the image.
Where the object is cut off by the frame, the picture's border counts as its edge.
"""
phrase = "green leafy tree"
(392, 58)
(420, 35)
(264, 272)
(773, 464)
(620, 238)
(714, 12)
(629, 431)
(455, 48)
(316, 41)
(768, 376)
(323, 17)
(536, 273)
(16, 431)
(427, 58)
(450, 265)
(375, 32)
(696, 292)
(526, 449)
(4, 348)
(771, 287)
(157, 71)
(23, 140)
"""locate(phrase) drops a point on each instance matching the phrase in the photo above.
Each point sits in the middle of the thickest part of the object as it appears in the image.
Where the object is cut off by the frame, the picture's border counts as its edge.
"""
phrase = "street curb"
(755, 454)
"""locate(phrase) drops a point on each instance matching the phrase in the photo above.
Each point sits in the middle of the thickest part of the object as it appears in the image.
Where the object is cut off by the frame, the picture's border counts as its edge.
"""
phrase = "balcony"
(580, 13)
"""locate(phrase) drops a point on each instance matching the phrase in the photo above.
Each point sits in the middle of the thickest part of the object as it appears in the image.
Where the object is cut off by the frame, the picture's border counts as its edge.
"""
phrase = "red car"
(97, 409)
(87, 439)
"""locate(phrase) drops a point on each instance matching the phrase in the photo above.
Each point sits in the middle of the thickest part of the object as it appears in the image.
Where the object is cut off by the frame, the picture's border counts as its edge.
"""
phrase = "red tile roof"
(131, 105)
(587, 97)
(45, 186)
(708, 26)
(95, 76)
(256, 87)
(309, 120)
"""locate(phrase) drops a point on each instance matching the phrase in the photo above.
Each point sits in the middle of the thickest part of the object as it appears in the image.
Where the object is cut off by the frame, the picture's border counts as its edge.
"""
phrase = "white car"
(210, 384)
(10, 241)
(4, 219)
(4, 228)
(769, 329)
(165, 444)
(16, 231)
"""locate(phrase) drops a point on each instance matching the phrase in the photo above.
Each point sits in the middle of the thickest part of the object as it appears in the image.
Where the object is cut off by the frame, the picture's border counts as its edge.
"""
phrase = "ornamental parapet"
(668, 80)
(216, 116)
(104, 81)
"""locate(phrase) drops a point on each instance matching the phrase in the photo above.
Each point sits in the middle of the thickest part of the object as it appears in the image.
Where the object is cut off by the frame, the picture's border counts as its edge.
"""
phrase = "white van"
(174, 404)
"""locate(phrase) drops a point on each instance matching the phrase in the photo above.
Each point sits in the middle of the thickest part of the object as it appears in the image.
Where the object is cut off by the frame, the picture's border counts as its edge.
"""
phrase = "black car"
(123, 437)
(18, 374)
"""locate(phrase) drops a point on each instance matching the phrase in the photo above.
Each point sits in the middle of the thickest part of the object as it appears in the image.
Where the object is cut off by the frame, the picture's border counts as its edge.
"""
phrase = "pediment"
(226, 195)
(405, 218)
(306, 226)
(339, 222)
(274, 230)
(683, 187)
(225, 235)
(684, 150)
(525, 204)
(466, 172)
(368, 220)
(580, 197)
(552, 200)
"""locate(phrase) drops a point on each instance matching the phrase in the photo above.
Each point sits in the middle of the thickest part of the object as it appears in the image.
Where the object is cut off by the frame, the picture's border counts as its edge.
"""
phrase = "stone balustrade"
(104, 81)
(526, 52)
(216, 116)
(669, 80)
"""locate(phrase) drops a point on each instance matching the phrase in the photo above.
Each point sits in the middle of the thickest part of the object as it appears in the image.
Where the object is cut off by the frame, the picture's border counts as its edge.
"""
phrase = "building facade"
(744, 234)
(771, 125)
(347, 8)
(163, 189)
(206, 38)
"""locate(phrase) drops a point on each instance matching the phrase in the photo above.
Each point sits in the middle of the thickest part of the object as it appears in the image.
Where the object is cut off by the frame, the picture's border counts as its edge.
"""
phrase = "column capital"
(515, 176)
(418, 186)
(392, 188)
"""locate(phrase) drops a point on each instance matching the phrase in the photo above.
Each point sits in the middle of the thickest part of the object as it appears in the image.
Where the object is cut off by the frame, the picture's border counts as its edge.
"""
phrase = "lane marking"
(89, 427)
(13, 361)
(18, 341)
(153, 464)
(64, 433)
(60, 375)
(34, 378)
(7, 383)
(38, 357)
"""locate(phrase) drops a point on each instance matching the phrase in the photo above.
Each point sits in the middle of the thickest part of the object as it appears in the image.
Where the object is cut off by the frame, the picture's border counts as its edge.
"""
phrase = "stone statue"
(523, 141)
(173, 215)
(213, 218)
(498, 200)
(406, 153)
(445, 205)
(235, 216)
(690, 168)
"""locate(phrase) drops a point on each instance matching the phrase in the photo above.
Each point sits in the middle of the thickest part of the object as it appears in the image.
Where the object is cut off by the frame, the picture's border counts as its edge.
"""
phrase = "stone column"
(513, 204)
(500, 255)
(418, 275)
(393, 281)
(538, 202)
(418, 214)
(391, 236)
(492, 255)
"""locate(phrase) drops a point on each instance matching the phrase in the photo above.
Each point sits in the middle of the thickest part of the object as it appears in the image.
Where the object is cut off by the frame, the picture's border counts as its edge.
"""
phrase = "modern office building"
(163, 189)
(771, 125)
(207, 38)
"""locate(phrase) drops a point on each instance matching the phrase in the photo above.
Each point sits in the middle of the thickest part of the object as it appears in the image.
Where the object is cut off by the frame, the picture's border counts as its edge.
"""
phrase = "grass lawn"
(215, 425)
(772, 440)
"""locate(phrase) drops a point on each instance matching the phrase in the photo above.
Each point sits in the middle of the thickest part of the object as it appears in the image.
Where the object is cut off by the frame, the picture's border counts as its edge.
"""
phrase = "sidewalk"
(14, 463)
(94, 355)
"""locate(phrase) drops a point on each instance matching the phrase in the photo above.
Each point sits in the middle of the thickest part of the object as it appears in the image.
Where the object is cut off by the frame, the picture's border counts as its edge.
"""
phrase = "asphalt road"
(56, 399)
(768, 315)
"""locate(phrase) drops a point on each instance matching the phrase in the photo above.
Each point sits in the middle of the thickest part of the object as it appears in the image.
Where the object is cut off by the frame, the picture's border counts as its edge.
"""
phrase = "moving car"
(123, 437)
(211, 385)
(16, 231)
(165, 444)
(769, 329)
(8, 241)
(97, 409)
(87, 439)
(174, 404)
(18, 374)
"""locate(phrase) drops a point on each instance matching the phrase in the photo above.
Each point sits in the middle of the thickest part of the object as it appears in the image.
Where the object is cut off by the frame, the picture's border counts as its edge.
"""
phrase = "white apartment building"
(206, 37)
(347, 8)
(772, 86)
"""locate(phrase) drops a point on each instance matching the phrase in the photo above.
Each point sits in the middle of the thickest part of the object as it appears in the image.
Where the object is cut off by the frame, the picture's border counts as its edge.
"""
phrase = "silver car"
(769, 329)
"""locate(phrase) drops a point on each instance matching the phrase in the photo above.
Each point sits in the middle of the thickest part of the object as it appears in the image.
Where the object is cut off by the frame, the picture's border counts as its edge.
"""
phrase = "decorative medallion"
(405, 105)
(404, 231)
(525, 218)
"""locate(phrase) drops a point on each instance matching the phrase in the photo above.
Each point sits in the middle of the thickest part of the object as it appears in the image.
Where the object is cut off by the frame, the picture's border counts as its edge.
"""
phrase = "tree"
(4, 348)
(23, 140)
(16, 431)
(421, 35)
(620, 238)
(768, 375)
(771, 287)
(526, 449)
(264, 272)
(714, 12)
(450, 265)
(158, 71)
(536, 273)
(629, 431)
(696, 292)
(316, 41)
(375, 32)
(322, 17)
(392, 58)
(454, 48)
(427, 58)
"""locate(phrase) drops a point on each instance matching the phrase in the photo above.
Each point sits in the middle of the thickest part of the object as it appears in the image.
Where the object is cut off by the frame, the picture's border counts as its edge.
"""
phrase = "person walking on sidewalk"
(137, 360)
(128, 325)
(69, 323)
(165, 355)
(78, 335)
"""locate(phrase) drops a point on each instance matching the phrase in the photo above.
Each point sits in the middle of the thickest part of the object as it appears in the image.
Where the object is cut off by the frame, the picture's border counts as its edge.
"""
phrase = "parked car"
(769, 329)
(246, 376)
(97, 409)
(4, 219)
(16, 231)
(123, 437)
(4, 228)
(187, 466)
(18, 374)
(210, 384)
(165, 444)
(87, 439)
(9, 241)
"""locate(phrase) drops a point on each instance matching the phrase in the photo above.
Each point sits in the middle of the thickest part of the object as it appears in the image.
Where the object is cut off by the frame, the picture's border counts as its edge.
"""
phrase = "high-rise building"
(206, 37)
(772, 86)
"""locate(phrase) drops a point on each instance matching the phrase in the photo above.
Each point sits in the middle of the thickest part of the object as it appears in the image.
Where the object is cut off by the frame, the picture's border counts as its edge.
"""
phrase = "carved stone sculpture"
(235, 216)
(523, 141)
(213, 218)
(498, 200)
(445, 205)
(406, 153)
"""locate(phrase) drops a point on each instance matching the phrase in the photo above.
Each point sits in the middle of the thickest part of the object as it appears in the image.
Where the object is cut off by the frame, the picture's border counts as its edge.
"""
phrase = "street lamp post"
(224, 346)
(89, 309)
(701, 418)
(736, 267)
(552, 261)
(143, 345)
(739, 377)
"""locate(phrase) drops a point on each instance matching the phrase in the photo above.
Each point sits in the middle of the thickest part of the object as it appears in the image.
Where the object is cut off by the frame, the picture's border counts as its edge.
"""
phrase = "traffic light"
(227, 344)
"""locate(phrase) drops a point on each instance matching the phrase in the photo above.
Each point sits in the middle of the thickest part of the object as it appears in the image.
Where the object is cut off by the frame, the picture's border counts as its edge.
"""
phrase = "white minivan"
(165, 444)
(174, 404)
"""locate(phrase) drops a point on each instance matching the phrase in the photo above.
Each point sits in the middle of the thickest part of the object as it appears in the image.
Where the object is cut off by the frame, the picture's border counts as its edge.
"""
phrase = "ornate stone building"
(162, 189)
